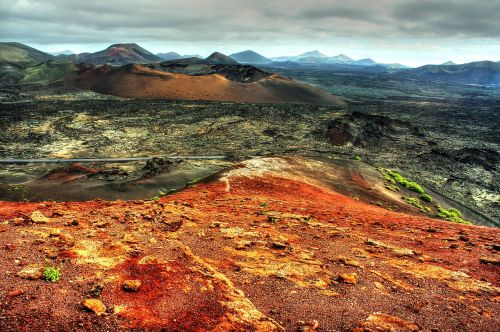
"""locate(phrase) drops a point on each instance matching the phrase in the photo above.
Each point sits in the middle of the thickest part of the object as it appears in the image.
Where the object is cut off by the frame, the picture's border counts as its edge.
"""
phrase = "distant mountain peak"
(249, 56)
(219, 58)
(342, 57)
(124, 45)
(449, 63)
(65, 52)
(313, 54)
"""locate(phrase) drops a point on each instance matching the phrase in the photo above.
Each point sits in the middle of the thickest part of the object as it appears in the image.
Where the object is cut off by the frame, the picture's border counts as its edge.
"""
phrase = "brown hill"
(145, 82)
(117, 54)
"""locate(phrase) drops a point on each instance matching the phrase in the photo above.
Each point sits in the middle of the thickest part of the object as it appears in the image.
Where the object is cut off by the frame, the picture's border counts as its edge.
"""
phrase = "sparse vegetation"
(193, 182)
(272, 219)
(51, 274)
(392, 187)
(357, 158)
(451, 214)
(415, 202)
(395, 177)
(426, 198)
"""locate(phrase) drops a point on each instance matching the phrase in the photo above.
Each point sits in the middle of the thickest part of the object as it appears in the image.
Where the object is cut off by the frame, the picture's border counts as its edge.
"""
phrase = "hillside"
(15, 58)
(169, 56)
(266, 246)
(220, 59)
(20, 54)
(47, 72)
(118, 54)
(482, 72)
(145, 82)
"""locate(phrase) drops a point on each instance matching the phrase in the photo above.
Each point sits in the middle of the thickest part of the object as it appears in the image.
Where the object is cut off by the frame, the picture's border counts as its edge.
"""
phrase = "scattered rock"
(101, 224)
(131, 285)
(94, 305)
(278, 245)
(243, 244)
(171, 226)
(73, 222)
(349, 262)
(348, 278)
(129, 238)
(15, 293)
(31, 272)
(96, 290)
(51, 253)
(382, 322)
(38, 218)
(62, 240)
(375, 243)
(272, 219)
(156, 166)
(18, 221)
(488, 260)
(307, 326)
(403, 252)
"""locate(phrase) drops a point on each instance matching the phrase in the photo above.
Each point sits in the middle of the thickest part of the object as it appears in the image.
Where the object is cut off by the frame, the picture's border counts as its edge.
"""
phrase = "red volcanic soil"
(139, 81)
(260, 248)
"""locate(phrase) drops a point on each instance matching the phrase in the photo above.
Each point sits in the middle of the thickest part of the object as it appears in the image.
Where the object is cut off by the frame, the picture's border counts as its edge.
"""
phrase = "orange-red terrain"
(260, 247)
(139, 81)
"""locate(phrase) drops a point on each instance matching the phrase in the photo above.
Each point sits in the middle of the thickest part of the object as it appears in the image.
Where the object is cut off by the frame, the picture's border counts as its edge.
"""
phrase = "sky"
(410, 32)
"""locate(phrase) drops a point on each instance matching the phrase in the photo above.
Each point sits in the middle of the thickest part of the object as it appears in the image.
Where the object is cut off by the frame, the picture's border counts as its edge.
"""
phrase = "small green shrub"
(357, 158)
(426, 198)
(392, 187)
(415, 202)
(388, 178)
(395, 177)
(413, 186)
(451, 214)
(51, 274)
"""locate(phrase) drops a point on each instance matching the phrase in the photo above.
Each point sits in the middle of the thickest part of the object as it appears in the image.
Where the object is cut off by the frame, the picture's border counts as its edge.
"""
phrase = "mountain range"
(174, 56)
(480, 73)
(318, 58)
(250, 56)
(16, 58)
(127, 70)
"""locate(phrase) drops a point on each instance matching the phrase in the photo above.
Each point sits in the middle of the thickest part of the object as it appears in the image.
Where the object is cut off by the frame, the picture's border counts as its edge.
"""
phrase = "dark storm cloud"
(76, 21)
(474, 18)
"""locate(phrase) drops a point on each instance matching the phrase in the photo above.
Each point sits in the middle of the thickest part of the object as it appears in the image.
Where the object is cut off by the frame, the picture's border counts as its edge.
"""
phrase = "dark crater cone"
(236, 73)
(362, 129)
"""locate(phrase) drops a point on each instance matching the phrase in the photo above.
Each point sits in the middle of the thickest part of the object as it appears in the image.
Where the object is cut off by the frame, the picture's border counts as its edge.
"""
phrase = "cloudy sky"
(411, 32)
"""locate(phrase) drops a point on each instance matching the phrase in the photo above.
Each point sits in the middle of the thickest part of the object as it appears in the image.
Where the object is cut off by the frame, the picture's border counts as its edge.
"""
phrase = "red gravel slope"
(260, 248)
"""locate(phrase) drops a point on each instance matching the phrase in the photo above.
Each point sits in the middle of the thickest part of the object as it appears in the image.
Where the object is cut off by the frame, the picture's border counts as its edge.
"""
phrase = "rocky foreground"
(258, 248)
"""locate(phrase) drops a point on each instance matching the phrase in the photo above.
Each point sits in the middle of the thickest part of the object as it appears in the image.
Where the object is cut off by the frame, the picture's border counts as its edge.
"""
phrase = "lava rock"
(38, 218)
(94, 305)
(131, 285)
(31, 272)
(348, 278)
